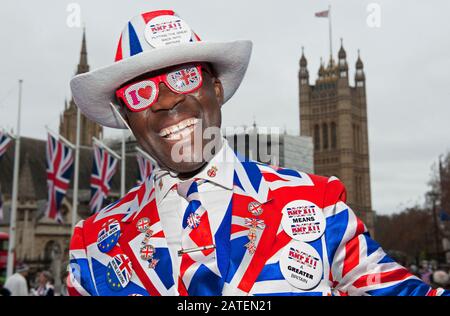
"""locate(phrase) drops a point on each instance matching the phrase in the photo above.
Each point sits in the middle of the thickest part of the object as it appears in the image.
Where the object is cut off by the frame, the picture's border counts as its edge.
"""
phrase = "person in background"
(440, 278)
(17, 283)
(64, 291)
(45, 287)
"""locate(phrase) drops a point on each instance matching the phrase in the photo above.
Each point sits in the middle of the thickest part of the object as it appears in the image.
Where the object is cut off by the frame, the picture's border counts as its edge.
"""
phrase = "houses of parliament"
(334, 114)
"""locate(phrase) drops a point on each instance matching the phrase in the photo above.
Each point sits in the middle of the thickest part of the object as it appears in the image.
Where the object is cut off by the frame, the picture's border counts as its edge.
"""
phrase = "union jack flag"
(103, 169)
(5, 142)
(59, 171)
(322, 14)
(145, 168)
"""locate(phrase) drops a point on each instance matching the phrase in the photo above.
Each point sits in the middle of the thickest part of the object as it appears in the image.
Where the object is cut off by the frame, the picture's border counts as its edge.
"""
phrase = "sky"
(404, 46)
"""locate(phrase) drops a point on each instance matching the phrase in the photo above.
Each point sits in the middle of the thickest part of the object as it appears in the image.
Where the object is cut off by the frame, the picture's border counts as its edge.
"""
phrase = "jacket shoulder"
(330, 190)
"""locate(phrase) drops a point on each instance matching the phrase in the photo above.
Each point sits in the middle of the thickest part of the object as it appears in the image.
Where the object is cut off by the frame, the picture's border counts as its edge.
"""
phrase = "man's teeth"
(179, 130)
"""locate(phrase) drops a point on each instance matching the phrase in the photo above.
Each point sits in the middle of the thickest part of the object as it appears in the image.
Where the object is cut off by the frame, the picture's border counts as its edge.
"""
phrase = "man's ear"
(218, 89)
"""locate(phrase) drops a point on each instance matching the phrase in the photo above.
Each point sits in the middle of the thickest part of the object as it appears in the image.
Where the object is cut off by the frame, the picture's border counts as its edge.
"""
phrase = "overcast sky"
(407, 63)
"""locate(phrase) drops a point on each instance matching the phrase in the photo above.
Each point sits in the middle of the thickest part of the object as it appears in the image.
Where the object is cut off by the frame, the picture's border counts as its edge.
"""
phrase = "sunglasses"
(142, 94)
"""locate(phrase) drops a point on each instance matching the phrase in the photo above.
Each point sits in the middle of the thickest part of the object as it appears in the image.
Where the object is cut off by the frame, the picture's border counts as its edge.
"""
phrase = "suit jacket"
(351, 262)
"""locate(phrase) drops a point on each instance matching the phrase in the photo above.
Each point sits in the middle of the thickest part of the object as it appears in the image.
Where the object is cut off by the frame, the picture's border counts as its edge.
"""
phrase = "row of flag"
(59, 163)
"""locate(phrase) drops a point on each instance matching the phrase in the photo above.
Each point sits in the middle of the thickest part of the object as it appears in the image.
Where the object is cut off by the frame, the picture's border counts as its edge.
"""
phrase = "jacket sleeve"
(359, 266)
(79, 280)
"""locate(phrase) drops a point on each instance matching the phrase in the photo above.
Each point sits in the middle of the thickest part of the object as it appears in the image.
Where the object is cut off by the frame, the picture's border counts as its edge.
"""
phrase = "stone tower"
(68, 120)
(334, 113)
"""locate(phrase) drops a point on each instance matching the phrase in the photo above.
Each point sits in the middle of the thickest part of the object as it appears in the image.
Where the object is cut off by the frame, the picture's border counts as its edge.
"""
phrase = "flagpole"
(122, 171)
(76, 171)
(13, 215)
(112, 152)
(330, 32)
(59, 137)
(147, 156)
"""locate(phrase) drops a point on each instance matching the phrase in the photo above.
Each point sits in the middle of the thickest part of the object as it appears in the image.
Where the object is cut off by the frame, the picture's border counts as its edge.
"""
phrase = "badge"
(118, 273)
(108, 235)
(251, 247)
(165, 30)
(153, 263)
(147, 252)
(301, 265)
(254, 223)
(303, 220)
(193, 220)
(143, 224)
(255, 208)
(252, 234)
(212, 172)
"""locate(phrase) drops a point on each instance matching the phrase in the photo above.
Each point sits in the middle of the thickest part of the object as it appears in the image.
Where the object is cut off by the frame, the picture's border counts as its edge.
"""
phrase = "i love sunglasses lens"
(141, 95)
(184, 80)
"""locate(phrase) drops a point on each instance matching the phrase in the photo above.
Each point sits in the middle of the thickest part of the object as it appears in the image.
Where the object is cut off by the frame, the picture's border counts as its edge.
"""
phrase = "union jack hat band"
(153, 41)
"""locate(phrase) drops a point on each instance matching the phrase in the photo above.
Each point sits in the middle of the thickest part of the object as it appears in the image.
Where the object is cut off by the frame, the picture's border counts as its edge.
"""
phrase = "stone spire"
(83, 66)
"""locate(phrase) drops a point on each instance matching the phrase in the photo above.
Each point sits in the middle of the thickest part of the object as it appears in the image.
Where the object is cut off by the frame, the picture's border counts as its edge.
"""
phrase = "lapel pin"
(143, 224)
(147, 252)
(255, 208)
(184, 251)
(212, 172)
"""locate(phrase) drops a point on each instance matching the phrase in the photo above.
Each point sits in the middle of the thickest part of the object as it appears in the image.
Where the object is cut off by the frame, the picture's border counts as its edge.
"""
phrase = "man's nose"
(167, 99)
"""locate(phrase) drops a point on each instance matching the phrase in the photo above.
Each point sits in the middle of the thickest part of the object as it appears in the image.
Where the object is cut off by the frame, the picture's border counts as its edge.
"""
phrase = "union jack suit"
(353, 264)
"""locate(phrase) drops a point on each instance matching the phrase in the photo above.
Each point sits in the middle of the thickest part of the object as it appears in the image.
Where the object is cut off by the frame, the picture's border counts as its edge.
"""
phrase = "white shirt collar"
(219, 170)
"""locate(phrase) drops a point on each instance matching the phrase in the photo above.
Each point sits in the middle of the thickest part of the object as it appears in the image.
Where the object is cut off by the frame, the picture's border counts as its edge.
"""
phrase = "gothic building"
(68, 120)
(334, 113)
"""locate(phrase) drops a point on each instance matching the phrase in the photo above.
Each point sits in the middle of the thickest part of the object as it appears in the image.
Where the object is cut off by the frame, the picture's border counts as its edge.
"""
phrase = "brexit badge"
(303, 220)
(108, 235)
(301, 265)
(118, 273)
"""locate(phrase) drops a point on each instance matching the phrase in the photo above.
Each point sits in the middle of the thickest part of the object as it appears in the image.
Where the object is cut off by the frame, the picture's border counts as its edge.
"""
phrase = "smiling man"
(207, 221)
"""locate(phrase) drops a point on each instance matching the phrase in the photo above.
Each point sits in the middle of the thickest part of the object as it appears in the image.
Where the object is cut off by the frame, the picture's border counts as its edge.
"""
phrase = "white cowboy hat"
(149, 42)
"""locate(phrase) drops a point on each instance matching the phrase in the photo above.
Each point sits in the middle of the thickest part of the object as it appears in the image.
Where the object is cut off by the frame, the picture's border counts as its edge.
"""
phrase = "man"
(17, 283)
(207, 221)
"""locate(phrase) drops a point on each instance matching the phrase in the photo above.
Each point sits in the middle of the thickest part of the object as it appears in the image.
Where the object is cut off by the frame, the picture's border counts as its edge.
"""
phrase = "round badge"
(303, 220)
(143, 224)
(301, 265)
(166, 30)
(255, 208)
(108, 236)
(147, 252)
(118, 273)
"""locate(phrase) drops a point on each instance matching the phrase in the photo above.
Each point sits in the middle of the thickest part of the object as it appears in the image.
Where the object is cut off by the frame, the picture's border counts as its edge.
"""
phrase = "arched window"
(325, 135)
(316, 137)
(333, 135)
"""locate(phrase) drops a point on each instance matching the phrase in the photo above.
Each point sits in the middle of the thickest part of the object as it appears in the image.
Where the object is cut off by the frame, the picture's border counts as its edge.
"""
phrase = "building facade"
(334, 114)
(283, 150)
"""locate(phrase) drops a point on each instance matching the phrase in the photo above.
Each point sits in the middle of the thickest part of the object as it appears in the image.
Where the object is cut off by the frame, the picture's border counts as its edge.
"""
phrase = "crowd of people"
(432, 273)
(20, 284)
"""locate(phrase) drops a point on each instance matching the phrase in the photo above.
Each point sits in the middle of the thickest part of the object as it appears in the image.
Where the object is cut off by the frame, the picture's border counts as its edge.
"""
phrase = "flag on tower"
(5, 142)
(322, 14)
(59, 171)
(104, 168)
(145, 167)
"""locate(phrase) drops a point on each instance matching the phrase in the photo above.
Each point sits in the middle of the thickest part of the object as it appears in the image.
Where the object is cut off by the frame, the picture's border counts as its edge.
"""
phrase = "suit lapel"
(160, 280)
(245, 267)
